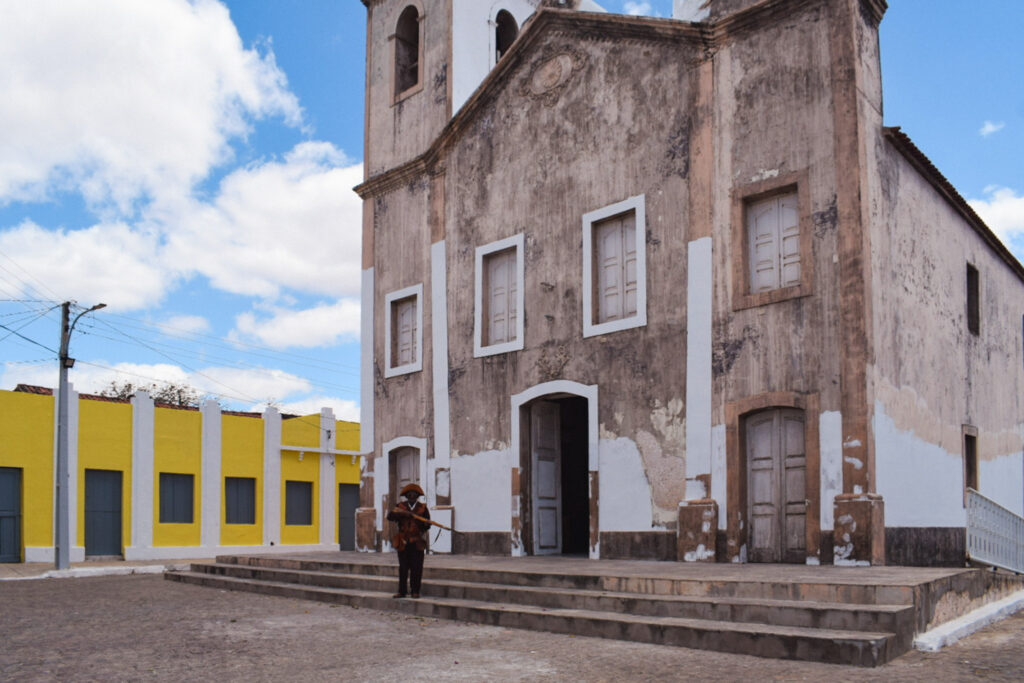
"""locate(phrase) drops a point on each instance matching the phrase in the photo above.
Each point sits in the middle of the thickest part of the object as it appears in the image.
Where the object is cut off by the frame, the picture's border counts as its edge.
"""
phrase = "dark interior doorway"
(575, 477)
(348, 501)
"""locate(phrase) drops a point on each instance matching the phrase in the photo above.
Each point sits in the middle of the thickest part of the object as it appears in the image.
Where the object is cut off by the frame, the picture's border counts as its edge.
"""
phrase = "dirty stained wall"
(932, 374)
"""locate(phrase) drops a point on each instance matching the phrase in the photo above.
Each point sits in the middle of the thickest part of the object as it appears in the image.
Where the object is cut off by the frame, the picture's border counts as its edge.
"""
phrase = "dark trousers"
(410, 561)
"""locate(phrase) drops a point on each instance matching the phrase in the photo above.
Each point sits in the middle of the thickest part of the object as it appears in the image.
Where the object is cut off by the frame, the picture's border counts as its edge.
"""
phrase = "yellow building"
(152, 481)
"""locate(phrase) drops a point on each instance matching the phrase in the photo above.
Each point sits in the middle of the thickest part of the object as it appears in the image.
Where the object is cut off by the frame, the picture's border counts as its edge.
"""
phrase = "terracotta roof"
(903, 144)
(46, 391)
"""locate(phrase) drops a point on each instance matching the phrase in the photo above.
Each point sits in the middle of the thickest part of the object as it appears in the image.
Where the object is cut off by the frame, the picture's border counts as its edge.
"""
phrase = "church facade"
(669, 289)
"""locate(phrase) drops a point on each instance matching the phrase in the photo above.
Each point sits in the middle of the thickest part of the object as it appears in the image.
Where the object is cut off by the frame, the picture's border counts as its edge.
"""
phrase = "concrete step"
(602, 580)
(897, 619)
(764, 640)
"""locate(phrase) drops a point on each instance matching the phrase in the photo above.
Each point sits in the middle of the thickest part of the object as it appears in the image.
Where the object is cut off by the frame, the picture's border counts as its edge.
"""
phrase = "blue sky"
(190, 163)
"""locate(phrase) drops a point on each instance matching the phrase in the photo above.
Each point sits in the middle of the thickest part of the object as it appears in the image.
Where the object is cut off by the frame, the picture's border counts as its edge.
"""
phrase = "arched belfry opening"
(555, 472)
(505, 31)
(407, 50)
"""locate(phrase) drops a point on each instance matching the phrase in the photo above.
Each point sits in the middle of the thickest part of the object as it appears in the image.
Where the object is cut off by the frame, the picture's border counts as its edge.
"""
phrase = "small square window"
(614, 268)
(298, 503)
(176, 498)
(403, 333)
(239, 500)
(498, 285)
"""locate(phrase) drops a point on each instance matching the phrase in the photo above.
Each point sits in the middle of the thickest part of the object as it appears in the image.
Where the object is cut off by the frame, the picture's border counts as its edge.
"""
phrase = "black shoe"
(415, 595)
(400, 595)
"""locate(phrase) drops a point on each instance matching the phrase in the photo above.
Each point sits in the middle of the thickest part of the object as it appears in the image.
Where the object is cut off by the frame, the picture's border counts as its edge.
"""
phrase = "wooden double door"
(776, 486)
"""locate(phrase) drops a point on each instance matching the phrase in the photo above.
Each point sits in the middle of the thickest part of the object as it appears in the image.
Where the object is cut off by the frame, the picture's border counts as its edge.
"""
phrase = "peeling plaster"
(764, 174)
(667, 475)
(830, 438)
(698, 554)
(669, 422)
(626, 503)
(857, 463)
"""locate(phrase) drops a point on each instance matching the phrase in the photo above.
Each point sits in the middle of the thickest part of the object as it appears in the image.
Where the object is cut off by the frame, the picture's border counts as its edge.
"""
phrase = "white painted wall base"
(441, 540)
(200, 552)
(46, 554)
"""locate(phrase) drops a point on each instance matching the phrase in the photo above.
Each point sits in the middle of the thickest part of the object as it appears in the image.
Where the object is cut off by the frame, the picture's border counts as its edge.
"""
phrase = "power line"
(18, 334)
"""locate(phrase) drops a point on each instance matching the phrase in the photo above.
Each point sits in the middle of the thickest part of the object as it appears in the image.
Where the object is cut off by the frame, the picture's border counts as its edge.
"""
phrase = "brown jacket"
(410, 530)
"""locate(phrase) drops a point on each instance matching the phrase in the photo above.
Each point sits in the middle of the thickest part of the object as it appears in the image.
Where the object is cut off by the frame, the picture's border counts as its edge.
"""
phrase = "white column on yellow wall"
(698, 367)
(366, 364)
(328, 491)
(439, 347)
(271, 477)
(74, 495)
(142, 474)
(211, 471)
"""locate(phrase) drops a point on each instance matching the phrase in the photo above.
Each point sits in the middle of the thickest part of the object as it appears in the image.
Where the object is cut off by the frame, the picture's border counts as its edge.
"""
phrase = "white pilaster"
(142, 471)
(328, 491)
(439, 348)
(211, 479)
(698, 367)
(271, 477)
(77, 549)
(366, 363)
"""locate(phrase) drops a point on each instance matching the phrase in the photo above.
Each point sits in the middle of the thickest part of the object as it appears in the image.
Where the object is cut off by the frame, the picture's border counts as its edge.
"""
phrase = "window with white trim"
(773, 237)
(498, 285)
(403, 333)
(614, 268)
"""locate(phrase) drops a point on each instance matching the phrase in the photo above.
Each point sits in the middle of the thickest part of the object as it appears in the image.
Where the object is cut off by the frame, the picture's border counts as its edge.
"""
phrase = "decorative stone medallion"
(550, 74)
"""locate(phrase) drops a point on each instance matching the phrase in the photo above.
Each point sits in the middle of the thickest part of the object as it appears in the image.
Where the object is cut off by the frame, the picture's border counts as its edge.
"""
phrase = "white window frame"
(479, 350)
(590, 327)
(415, 291)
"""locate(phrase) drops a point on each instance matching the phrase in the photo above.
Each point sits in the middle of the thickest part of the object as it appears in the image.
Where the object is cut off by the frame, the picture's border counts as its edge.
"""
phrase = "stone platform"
(864, 616)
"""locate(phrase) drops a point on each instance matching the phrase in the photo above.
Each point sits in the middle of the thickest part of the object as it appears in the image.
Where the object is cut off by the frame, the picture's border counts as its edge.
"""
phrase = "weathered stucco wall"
(534, 162)
(933, 375)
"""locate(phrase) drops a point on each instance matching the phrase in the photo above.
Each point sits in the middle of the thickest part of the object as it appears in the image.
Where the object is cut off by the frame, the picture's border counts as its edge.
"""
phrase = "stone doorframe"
(736, 469)
(559, 388)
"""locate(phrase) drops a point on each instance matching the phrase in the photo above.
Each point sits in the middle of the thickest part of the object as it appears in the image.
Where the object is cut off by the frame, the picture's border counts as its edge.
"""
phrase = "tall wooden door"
(546, 464)
(102, 512)
(10, 514)
(407, 468)
(776, 486)
(348, 501)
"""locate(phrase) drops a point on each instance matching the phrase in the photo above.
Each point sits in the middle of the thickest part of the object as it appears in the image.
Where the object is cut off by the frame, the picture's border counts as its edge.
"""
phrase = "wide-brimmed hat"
(411, 488)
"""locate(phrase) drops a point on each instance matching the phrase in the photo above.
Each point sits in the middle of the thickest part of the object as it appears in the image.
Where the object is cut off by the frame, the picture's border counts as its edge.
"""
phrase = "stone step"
(600, 579)
(764, 640)
(897, 619)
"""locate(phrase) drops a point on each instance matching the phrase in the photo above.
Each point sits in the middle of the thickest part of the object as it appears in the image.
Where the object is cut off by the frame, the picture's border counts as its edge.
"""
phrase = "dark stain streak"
(825, 221)
(727, 351)
(677, 154)
(454, 374)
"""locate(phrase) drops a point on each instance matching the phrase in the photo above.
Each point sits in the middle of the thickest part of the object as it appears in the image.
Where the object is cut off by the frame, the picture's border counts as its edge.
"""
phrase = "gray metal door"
(348, 501)
(102, 512)
(10, 514)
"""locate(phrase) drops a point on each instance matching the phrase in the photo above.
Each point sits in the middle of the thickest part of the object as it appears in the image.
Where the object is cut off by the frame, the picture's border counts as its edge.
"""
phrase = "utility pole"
(62, 532)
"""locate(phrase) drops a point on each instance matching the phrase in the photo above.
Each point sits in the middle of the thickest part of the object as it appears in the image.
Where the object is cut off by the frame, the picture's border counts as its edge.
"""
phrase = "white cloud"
(988, 128)
(642, 9)
(323, 325)
(108, 262)
(1002, 210)
(241, 389)
(343, 409)
(121, 99)
(291, 224)
(183, 325)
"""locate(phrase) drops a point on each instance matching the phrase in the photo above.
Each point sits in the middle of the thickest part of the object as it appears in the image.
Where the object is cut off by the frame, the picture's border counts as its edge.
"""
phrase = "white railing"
(995, 535)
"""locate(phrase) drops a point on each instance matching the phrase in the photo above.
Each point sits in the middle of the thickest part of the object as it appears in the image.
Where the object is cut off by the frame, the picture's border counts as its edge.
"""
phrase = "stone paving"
(146, 628)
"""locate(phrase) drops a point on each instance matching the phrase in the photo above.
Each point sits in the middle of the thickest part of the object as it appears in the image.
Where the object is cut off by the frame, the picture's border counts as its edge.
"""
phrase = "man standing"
(411, 539)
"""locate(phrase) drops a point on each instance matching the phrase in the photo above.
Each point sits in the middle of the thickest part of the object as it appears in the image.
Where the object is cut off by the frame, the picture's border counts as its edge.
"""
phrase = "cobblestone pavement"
(145, 628)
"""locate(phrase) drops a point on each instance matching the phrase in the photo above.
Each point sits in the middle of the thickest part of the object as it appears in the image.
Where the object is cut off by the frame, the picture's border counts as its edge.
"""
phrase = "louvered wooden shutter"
(404, 332)
(773, 232)
(501, 297)
(615, 261)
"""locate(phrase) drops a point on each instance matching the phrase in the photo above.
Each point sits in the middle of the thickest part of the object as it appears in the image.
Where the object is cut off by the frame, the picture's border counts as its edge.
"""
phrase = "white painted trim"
(46, 554)
(516, 242)
(439, 349)
(560, 386)
(271, 476)
(73, 492)
(195, 552)
(698, 366)
(961, 627)
(830, 457)
(417, 365)
(366, 362)
(142, 470)
(211, 484)
(382, 478)
(590, 328)
(328, 489)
